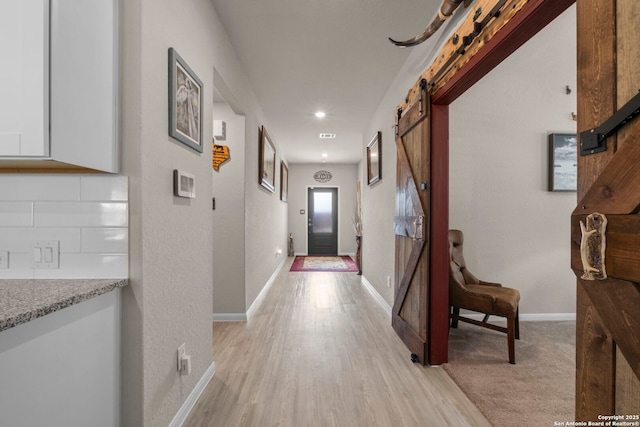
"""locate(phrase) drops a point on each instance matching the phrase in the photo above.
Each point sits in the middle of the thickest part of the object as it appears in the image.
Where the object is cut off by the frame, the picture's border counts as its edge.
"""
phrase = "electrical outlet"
(4, 259)
(186, 365)
(181, 352)
(184, 360)
(388, 281)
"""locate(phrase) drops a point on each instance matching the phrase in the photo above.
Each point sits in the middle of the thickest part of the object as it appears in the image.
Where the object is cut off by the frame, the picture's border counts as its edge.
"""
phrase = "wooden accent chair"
(468, 292)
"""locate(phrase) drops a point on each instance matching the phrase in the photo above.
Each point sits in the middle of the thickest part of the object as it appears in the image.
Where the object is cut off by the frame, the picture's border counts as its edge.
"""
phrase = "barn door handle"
(418, 222)
(593, 246)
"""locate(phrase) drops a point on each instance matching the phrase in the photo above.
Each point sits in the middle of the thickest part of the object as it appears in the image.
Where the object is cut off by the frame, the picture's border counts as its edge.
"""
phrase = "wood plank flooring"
(320, 351)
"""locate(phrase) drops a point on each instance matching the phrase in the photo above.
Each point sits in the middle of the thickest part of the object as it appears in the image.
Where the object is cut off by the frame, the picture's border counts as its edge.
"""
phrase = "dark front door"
(323, 221)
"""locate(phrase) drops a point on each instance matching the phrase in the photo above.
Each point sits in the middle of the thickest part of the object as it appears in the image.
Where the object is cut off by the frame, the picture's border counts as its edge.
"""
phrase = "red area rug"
(330, 263)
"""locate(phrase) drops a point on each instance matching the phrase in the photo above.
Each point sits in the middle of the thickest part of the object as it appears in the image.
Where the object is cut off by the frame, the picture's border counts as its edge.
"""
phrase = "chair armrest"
(495, 285)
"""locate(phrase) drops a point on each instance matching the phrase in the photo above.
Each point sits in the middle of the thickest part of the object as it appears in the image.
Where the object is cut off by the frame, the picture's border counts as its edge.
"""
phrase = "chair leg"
(511, 326)
(454, 317)
(518, 323)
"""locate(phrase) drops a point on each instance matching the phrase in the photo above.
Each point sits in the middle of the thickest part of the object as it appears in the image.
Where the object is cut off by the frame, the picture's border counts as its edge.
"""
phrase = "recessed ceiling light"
(327, 136)
(320, 114)
(325, 155)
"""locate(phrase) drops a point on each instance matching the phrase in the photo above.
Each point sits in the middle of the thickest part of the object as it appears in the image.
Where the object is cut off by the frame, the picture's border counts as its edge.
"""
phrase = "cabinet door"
(24, 91)
(84, 84)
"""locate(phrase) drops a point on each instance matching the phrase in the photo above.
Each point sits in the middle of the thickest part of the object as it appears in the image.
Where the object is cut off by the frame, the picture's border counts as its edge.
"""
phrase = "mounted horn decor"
(592, 247)
(444, 13)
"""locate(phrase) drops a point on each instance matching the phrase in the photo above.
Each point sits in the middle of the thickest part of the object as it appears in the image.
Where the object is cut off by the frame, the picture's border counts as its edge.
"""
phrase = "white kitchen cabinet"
(62, 369)
(24, 78)
(70, 96)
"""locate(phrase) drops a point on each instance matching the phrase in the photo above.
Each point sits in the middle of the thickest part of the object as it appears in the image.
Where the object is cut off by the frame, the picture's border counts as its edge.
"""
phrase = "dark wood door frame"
(534, 16)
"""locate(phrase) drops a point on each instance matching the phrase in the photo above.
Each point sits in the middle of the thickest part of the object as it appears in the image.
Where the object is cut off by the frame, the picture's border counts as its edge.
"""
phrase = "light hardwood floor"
(320, 351)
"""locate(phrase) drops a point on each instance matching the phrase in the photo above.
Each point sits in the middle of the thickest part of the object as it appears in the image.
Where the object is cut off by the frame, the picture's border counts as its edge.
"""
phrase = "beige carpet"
(537, 391)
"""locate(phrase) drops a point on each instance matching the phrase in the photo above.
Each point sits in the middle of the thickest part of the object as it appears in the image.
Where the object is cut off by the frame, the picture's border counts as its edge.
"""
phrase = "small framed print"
(185, 103)
(374, 159)
(267, 161)
(563, 161)
(184, 184)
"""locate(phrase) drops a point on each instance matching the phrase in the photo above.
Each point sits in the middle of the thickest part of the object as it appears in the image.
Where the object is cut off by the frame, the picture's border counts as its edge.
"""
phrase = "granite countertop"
(22, 300)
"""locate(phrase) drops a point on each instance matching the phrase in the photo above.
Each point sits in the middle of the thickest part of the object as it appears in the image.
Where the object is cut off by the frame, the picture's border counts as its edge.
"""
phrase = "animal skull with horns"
(444, 13)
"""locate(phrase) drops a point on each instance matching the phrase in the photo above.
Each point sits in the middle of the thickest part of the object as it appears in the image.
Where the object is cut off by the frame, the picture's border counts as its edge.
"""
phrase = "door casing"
(534, 16)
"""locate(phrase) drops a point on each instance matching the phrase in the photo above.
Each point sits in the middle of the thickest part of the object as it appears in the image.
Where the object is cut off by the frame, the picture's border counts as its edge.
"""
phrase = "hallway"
(320, 351)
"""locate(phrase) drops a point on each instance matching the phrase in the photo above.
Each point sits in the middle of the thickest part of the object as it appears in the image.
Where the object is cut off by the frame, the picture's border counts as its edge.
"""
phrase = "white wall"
(169, 300)
(87, 214)
(345, 177)
(266, 218)
(229, 218)
(530, 85)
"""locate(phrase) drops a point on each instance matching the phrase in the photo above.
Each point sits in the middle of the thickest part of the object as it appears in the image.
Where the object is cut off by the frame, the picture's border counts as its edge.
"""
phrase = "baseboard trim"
(256, 303)
(229, 317)
(544, 317)
(376, 295)
(532, 317)
(193, 397)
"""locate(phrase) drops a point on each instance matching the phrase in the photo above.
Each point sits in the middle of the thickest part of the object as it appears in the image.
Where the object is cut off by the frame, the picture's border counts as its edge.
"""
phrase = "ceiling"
(302, 56)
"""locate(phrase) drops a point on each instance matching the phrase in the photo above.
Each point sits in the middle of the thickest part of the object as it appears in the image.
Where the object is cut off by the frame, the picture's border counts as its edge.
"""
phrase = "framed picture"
(563, 160)
(267, 159)
(284, 182)
(374, 159)
(185, 103)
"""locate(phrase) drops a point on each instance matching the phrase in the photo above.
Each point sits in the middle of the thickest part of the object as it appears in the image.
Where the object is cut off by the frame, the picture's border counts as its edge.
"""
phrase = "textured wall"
(172, 267)
(176, 245)
(229, 218)
(345, 178)
(169, 300)
(266, 217)
(500, 125)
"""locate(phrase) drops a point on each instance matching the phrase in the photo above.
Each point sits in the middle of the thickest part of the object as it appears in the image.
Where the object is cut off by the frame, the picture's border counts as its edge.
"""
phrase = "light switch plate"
(4, 259)
(219, 130)
(184, 184)
(45, 254)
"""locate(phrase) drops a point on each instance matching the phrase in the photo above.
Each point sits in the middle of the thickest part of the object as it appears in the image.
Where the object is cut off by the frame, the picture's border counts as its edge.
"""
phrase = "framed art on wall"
(185, 103)
(267, 161)
(374, 159)
(563, 160)
(284, 182)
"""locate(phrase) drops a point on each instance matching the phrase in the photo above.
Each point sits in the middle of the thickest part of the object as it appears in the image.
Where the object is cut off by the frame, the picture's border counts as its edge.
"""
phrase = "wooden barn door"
(410, 309)
(608, 311)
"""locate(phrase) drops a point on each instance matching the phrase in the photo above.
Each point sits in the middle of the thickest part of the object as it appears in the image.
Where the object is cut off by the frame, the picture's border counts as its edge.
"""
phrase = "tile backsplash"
(88, 214)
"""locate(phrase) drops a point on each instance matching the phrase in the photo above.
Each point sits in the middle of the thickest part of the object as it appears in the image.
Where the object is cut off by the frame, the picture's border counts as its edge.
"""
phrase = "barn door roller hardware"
(469, 38)
(594, 140)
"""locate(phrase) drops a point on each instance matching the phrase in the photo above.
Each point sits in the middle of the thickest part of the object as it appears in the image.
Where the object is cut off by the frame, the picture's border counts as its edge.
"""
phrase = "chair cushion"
(500, 301)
